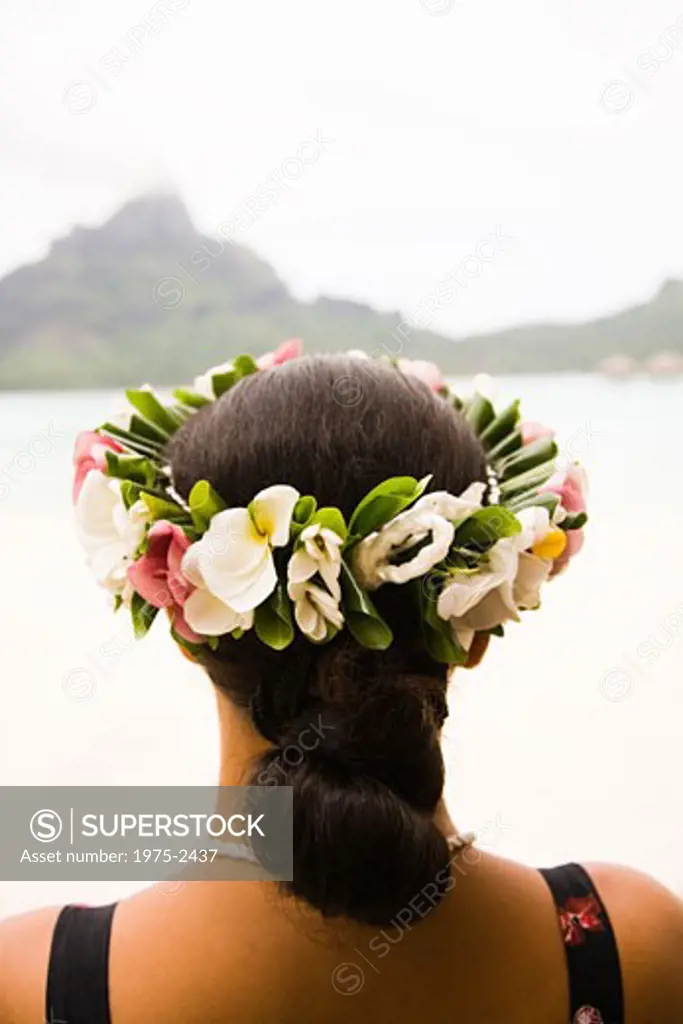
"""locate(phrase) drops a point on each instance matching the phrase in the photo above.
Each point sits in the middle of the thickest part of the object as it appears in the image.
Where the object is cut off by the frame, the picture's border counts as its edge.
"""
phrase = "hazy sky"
(388, 137)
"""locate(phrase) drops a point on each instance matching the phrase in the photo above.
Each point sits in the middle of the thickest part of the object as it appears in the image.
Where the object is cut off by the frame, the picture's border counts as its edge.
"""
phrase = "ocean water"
(567, 743)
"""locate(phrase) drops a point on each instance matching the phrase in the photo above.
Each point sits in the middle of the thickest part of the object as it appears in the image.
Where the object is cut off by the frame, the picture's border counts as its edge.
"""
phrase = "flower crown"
(283, 564)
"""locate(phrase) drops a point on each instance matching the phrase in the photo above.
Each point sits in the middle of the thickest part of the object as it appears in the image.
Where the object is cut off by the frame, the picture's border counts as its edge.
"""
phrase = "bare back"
(492, 951)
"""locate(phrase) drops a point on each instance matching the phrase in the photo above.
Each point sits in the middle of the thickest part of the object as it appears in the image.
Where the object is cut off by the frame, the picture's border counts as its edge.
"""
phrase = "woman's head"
(355, 732)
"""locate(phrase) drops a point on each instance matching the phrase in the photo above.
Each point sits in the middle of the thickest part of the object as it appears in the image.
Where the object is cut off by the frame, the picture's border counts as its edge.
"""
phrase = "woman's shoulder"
(25, 942)
(647, 919)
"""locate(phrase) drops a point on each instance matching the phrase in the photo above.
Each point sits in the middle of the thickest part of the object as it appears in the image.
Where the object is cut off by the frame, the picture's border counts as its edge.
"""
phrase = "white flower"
(435, 514)
(372, 556)
(232, 565)
(450, 507)
(532, 573)
(484, 598)
(509, 582)
(109, 533)
(203, 384)
(320, 552)
(315, 606)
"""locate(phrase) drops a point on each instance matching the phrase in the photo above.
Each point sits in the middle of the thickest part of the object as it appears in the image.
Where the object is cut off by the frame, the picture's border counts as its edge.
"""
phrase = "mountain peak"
(161, 216)
(671, 291)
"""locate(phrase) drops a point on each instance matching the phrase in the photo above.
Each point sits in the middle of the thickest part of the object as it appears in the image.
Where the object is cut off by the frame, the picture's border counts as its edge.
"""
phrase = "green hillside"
(147, 297)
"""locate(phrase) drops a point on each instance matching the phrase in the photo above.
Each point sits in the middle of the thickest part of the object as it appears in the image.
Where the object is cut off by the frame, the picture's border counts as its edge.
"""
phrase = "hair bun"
(360, 850)
(321, 736)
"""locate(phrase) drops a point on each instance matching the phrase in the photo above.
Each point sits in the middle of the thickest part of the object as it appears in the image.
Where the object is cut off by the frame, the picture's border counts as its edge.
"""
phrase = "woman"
(359, 615)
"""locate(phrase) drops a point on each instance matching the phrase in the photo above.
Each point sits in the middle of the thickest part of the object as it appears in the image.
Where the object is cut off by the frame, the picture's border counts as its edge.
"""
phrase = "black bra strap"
(595, 984)
(78, 975)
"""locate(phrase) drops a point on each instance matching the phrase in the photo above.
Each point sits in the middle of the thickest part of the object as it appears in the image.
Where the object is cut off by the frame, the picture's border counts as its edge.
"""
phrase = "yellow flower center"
(552, 545)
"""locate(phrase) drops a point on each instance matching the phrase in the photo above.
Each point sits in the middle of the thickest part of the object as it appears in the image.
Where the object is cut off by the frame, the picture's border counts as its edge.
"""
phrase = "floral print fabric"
(595, 985)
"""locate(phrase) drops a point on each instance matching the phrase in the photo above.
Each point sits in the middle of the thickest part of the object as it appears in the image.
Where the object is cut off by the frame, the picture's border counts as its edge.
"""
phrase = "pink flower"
(534, 432)
(89, 453)
(575, 540)
(588, 1015)
(157, 575)
(572, 487)
(578, 915)
(428, 373)
(290, 349)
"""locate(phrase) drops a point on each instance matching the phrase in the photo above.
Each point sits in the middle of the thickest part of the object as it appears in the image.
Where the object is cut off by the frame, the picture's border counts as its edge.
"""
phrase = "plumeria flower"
(314, 608)
(534, 432)
(157, 575)
(510, 580)
(575, 539)
(232, 565)
(90, 453)
(290, 349)
(109, 532)
(434, 514)
(428, 373)
(478, 601)
(572, 487)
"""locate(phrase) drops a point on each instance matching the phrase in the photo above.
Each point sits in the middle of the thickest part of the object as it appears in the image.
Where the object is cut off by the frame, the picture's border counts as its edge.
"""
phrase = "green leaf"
(143, 615)
(204, 504)
(303, 510)
(438, 636)
(532, 478)
(191, 398)
(479, 413)
(222, 382)
(244, 366)
(528, 457)
(495, 631)
(273, 620)
(510, 443)
(331, 519)
(152, 409)
(193, 649)
(130, 493)
(160, 508)
(485, 527)
(241, 367)
(137, 444)
(142, 428)
(130, 467)
(364, 621)
(501, 426)
(574, 522)
(530, 499)
(384, 502)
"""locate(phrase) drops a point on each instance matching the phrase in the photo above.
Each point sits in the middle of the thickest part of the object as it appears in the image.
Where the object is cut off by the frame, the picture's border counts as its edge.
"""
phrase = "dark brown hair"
(370, 774)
